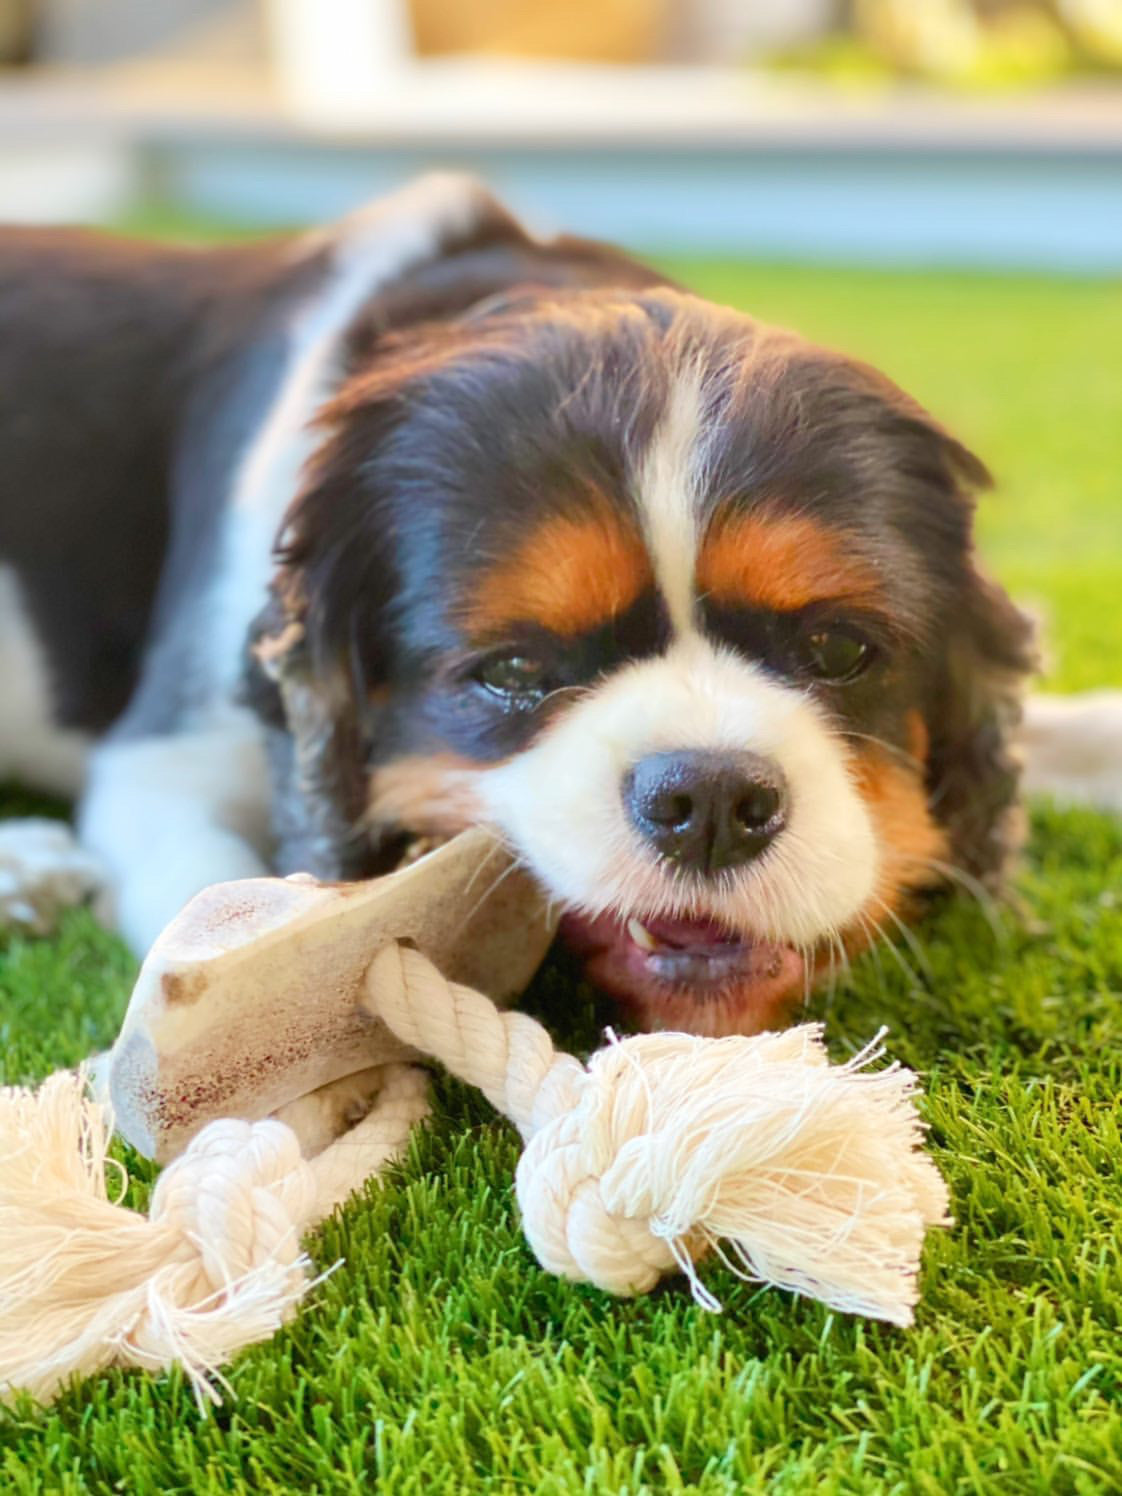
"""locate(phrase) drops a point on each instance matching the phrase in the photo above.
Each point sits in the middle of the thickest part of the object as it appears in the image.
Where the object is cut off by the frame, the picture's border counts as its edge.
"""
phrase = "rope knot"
(233, 1197)
(569, 1220)
(808, 1173)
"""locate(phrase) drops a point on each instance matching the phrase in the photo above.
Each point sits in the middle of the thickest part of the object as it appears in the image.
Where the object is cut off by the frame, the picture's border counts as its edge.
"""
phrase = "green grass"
(440, 1358)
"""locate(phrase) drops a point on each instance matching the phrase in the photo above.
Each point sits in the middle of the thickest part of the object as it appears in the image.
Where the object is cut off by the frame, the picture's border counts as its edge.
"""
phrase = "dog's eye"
(516, 678)
(835, 655)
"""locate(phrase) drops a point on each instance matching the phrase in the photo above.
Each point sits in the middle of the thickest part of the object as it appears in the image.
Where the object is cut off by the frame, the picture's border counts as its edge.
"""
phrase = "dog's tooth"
(641, 936)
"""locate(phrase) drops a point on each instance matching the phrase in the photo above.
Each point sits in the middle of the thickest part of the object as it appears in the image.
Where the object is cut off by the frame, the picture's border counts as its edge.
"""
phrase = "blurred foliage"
(983, 44)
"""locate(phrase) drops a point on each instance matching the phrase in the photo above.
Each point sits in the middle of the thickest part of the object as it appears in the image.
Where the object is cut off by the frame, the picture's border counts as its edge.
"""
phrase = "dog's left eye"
(835, 655)
(516, 678)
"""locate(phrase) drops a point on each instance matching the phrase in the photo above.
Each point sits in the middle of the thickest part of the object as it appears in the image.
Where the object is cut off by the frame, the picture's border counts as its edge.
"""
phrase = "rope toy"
(665, 1145)
(662, 1149)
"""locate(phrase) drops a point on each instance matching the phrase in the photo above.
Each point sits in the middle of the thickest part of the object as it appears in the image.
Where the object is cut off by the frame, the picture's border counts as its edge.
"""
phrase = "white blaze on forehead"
(561, 801)
(667, 484)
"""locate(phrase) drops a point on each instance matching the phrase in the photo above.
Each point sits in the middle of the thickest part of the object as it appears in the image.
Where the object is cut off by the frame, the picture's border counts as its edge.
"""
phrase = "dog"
(315, 547)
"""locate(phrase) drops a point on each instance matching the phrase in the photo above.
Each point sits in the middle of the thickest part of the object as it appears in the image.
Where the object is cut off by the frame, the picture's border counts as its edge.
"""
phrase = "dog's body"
(683, 606)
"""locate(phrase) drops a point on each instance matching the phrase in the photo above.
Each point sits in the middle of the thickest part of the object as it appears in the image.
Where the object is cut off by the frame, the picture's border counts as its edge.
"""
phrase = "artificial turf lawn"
(441, 1358)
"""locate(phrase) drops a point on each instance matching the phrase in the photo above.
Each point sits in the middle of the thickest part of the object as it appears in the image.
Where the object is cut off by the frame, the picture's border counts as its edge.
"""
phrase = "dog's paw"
(43, 870)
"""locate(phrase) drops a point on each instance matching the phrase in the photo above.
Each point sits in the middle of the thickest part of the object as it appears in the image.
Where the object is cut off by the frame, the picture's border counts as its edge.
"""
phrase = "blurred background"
(891, 131)
(933, 184)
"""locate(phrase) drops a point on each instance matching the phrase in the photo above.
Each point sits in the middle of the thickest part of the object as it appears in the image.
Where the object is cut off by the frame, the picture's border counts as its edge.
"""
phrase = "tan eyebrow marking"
(572, 574)
(783, 562)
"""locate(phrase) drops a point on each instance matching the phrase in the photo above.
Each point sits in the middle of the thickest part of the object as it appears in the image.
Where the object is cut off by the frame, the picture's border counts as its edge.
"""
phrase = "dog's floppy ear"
(336, 572)
(314, 743)
(985, 648)
(318, 653)
(972, 721)
(315, 659)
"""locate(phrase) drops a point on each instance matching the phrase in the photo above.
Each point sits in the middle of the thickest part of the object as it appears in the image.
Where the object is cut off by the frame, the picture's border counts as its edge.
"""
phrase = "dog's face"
(685, 607)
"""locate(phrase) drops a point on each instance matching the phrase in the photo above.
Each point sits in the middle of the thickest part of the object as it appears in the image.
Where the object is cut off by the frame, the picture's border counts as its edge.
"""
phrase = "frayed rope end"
(86, 1283)
(794, 1172)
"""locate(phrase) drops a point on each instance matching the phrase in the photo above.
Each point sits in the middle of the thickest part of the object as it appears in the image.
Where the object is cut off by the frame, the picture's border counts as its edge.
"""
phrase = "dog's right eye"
(517, 679)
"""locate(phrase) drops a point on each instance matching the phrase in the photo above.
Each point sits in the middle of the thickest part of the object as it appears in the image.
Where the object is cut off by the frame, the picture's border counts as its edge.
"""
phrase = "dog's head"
(683, 605)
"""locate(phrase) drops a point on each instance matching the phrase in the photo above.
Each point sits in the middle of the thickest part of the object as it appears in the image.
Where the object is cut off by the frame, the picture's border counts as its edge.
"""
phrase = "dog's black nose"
(706, 810)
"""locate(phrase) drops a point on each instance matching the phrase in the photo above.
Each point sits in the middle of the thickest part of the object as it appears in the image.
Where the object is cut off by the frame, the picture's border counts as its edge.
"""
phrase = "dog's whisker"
(831, 982)
(874, 935)
(972, 886)
(488, 893)
(805, 955)
(908, 970)
(910, 939)
(843, 954)
(906, 758)
(497, 849)
(840, 969)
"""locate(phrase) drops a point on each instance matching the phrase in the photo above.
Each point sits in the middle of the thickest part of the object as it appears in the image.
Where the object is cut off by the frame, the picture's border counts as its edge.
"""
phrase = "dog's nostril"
(705, 810)
(759, 806)
(673, 810)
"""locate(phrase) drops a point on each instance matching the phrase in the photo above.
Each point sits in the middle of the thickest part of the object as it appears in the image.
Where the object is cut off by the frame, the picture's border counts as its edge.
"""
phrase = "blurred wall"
(100, 31)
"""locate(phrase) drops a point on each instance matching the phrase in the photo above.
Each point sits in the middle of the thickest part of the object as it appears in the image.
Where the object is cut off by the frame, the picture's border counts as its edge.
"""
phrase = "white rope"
(215, 1265)
(666, 1145)
(662, 1148)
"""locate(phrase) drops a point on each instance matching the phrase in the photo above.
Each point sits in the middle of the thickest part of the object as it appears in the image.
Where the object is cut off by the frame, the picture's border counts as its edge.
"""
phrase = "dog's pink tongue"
(686, 934)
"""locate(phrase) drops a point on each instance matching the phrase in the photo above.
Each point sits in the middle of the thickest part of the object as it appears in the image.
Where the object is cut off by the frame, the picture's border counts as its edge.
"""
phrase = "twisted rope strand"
(506, 1055)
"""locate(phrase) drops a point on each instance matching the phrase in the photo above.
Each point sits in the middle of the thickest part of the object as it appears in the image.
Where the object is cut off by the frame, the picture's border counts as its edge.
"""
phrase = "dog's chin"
(687, 974)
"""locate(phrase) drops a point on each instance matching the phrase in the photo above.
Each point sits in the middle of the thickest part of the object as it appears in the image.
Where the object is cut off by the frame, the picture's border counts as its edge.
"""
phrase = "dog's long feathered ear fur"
(314, 744)
(975, 709)
(317, 652)
(973, 769)
(314, 666)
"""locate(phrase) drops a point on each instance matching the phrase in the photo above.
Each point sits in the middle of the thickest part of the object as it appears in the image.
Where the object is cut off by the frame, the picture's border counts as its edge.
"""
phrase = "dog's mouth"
(690, 974)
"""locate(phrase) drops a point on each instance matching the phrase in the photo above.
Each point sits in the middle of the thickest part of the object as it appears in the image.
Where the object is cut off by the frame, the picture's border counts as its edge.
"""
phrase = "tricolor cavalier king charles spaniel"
(325, 545)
